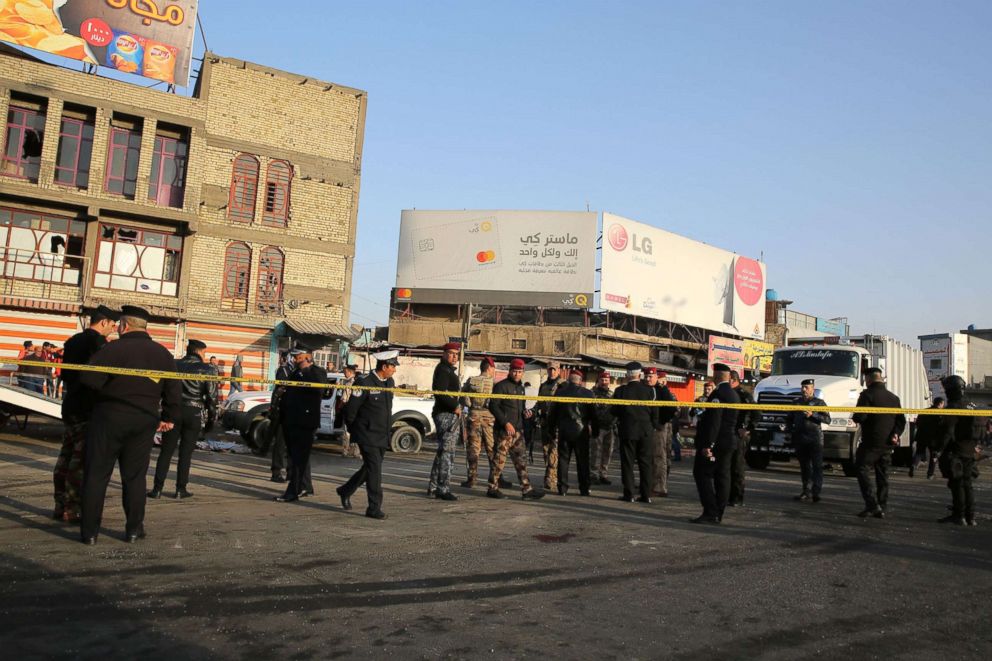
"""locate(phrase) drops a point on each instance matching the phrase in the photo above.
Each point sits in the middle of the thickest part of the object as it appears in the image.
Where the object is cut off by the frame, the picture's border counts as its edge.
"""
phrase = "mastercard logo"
(404, 293)
(485, 256)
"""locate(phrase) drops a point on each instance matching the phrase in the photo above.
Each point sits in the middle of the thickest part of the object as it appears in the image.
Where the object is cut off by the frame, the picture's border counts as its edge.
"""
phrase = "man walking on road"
(77, 405)
(509, 415)
(549, 442)
(447, 422)
(573, 423)
(716, 442)
(300, 418)
(601, 445)
(128, 411)
(959, 436)
(745, 424)
(928, 442)
(880, 434)
(663, 431)
(480, 421)
(807, 439)
(367, 414)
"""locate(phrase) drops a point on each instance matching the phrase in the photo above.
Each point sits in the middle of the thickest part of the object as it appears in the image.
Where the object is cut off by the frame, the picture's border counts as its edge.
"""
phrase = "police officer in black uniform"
(198, 396)
(959, 436)
(716, 442)
(636, 424)
(807, 439)
(367, 415)
(880, 434)
(573, 423)
(127, 413)
(300, 418)
(745, 425)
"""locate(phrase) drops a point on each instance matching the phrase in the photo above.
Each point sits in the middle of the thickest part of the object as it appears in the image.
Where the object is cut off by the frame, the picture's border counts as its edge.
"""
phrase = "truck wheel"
(757, 460)
(406, 439)
(849, 467)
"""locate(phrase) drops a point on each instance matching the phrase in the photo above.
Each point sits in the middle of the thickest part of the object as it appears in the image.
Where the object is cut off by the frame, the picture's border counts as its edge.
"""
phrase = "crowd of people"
(110, 419)
(42, 379)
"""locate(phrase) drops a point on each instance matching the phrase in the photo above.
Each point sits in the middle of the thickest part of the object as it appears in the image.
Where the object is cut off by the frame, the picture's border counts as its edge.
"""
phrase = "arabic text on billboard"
(143, 37)
(493, 257)
(652, 273)
(758, 355)
(831, 326)
(726, 350)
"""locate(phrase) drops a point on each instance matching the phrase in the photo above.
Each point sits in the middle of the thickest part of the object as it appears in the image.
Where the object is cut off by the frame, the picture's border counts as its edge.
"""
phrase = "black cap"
(721, 367)
(103, 312)
(195, 345)
(634, 366)
(299, 349)
(135, 311)
(808, 382)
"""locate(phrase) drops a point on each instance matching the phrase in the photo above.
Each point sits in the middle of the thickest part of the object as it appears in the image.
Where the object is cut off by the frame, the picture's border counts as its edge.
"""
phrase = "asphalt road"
(233, 574)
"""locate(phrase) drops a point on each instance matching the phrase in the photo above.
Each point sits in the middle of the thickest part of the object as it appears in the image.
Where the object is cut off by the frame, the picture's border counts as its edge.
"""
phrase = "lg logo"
(617, 236)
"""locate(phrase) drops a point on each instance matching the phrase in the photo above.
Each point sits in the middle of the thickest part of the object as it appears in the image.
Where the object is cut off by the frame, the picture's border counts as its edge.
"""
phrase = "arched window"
(237, 274)
(244, 189)
(270, 268)
(277, 180)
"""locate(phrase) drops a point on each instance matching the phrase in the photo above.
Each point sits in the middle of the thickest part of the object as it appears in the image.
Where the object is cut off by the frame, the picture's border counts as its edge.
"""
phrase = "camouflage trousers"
(662, 439)
(549, 443)
(601, 451)
(448, 429)
(515, 447)
(480, 435)
(68, 477)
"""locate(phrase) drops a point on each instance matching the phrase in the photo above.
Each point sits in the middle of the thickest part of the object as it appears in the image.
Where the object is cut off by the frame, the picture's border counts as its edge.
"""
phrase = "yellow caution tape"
(416, 392)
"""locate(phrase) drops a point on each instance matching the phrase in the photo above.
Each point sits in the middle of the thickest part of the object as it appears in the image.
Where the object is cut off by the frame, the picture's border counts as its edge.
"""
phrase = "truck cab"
(838, 366)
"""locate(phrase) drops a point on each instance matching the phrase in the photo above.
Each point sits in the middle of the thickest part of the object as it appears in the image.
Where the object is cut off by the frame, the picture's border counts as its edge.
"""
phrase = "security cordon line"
(156, 375)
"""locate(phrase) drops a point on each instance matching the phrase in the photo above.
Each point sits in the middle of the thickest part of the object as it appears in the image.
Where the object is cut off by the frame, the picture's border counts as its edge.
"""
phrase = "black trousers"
(738, 468)
(126, 441)
(299, 442)
(962, 497)
(281, 460)
(185, 433)
(569, 443)
(873, 475)
(712, 476)
(810, 457)
(370, 474)
(640, 451)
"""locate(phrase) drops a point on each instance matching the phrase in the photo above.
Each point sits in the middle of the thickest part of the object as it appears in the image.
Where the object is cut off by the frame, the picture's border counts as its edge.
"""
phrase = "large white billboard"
(532, 258)
(649, 272)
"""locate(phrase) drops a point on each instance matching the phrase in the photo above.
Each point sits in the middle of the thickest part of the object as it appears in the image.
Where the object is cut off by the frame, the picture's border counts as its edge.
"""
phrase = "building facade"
(230, 214)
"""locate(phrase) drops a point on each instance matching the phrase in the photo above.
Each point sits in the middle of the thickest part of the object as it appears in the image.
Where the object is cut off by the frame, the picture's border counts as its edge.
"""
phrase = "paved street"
(231, 574)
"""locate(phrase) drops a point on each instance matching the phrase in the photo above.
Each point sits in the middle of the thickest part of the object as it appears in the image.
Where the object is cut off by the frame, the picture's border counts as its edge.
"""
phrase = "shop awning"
(339, 331)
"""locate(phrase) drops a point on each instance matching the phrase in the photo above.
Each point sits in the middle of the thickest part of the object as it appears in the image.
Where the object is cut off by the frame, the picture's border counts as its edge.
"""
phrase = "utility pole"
(466, 333)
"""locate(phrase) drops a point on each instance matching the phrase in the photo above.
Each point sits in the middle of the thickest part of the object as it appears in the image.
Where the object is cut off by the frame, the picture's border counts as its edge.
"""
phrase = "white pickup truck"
(247, 412)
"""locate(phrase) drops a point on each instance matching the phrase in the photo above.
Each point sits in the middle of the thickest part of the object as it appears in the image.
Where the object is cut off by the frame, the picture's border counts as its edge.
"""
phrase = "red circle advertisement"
(748, 280)
(617, 236)
(95, 32)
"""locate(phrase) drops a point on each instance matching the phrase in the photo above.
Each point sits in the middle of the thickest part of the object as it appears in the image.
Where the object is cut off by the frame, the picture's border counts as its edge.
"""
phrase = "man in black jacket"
(549, 442)
(662, 436)
(880, 434)
(300, 413)
(77, 404)
(744, 427)
(716, 442)
(927, 441)
(807, 439)
(635, 424)
(127, 412)
(573, 423)
(601, 444)
(510, 415)
(197, 396)
(447, 422)
(958, 438)
(367, 415)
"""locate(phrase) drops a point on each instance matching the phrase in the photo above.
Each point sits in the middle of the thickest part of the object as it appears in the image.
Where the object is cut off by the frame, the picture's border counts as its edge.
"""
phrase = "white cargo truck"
(838, 365)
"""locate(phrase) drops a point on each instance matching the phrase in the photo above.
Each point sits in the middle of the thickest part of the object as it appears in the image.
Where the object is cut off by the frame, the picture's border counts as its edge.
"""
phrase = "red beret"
(516, 364)
(489, 361)
(579, 373)
(650, 370)
(452, 346)
(662, 374)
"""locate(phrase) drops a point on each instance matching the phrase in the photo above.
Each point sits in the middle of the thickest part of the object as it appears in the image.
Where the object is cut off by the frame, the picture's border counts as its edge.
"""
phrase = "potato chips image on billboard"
(150, 38)
(527, 258)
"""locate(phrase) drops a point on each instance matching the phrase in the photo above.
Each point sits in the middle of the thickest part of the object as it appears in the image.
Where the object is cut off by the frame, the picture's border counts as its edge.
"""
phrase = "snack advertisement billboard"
(149, 38)
(758, 355)
(532, 258)
(652, 273)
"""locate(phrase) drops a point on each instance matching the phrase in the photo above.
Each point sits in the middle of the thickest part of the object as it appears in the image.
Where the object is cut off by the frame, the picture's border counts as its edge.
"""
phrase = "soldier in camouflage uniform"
(77, 403)
(510, 415)
(480, 420)
(549, 438)
(601, 445)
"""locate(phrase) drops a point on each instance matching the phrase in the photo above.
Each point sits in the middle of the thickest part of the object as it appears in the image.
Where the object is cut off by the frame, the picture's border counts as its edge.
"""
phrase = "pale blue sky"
(849, 142)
